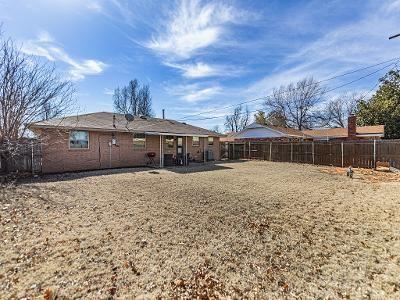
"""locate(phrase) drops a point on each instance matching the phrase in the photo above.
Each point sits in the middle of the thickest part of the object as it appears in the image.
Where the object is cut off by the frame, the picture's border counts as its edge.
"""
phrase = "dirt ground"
(226, 230)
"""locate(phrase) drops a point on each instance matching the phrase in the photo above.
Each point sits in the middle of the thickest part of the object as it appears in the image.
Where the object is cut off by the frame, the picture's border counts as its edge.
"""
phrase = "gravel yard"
(225, 230)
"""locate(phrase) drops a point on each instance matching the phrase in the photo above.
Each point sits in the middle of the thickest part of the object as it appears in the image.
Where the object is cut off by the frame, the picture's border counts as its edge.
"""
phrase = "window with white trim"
(195, 141)
(210, 141)
(169, 141)
(79, 139)
(139, 141)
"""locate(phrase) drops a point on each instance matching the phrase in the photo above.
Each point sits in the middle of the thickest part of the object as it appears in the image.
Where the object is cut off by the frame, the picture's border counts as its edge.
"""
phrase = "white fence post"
(291, 152)
(32, 160)
(249, 150)
(342, 156)
(270, 151)
(313, 158)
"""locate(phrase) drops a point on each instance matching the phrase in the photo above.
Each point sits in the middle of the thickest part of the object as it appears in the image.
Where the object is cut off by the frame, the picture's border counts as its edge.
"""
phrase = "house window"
(139, 141)
(169, 140)
(210, 141)
(79, 140)
(196, 141)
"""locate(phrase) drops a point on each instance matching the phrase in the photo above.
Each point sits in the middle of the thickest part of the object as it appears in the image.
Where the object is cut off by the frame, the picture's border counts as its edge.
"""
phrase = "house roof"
(377, 130)
(103, 121)
(288, 131)
(252, 132)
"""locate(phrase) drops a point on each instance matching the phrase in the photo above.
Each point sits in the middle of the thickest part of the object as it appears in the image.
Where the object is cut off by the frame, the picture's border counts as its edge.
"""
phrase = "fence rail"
(336, 153)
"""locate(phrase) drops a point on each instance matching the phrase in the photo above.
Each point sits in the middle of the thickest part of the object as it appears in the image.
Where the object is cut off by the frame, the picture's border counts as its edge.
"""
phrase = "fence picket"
(358, 153)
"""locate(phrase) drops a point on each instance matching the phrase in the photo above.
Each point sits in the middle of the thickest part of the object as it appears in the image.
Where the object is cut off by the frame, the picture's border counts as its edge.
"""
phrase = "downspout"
(98, 142)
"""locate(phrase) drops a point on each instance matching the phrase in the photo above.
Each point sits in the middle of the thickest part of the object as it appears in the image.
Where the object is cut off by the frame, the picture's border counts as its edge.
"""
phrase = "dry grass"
(238, 230)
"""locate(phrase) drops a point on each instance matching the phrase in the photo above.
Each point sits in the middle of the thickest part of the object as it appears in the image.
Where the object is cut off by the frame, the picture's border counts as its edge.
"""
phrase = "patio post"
(375, 154)
(204, 148)
(161, 163)
(185, 150)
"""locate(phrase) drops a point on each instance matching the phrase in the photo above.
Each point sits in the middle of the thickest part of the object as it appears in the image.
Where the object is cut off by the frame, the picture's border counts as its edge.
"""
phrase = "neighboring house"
(353, 132)
(108, 140)
(258, 132)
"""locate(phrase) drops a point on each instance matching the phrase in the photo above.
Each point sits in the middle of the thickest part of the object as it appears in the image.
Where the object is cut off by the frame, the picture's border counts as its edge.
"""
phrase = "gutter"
(117, 130)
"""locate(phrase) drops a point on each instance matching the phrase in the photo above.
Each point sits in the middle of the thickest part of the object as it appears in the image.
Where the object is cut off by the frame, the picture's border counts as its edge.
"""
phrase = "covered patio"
(180, 149)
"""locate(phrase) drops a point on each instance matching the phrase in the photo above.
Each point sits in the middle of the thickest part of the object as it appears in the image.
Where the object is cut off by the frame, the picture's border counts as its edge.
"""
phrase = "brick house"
(108, 140)
(352, 132)
(257, 132)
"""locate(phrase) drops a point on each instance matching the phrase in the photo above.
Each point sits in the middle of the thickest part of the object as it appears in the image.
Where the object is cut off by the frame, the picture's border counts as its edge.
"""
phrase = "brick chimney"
(352, 127)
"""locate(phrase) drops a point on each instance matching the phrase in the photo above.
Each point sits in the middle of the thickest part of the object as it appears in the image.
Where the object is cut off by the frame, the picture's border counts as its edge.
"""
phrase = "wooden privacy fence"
(336, 153)
(20, 157)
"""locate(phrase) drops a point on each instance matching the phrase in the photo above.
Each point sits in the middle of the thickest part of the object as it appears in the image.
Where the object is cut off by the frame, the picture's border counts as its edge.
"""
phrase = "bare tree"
(126, 98)
(260, 118)
(337, 110)
(144, 103)
(133, 99)
(29, 91)
(276, 118)
(296, 102)
(216, 129)
(51, 111)
(238, 120)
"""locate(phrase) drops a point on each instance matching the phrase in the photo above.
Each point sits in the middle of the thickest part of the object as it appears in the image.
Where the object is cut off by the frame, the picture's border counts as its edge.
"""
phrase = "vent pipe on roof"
(163, 113)
(114, 121)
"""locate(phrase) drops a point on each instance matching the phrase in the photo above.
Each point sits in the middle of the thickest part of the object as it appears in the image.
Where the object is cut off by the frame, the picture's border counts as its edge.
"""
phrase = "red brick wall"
(352, 127)
(58, 157)
(197, 152)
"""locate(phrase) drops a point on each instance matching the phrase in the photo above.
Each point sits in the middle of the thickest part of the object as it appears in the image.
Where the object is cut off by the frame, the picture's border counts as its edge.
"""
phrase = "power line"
(263, 98)
(323, 93)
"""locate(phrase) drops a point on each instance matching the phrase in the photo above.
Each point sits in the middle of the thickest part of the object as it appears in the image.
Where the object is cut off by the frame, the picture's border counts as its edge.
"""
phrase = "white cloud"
(94, 6)
(193, 26)
(45, 46)
(199, 70)
(108, 91)
(194, 92)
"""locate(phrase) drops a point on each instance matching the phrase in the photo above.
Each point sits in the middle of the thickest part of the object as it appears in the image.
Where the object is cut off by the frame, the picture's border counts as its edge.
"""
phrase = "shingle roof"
(342, 132)
(287, 131)
(103, 121)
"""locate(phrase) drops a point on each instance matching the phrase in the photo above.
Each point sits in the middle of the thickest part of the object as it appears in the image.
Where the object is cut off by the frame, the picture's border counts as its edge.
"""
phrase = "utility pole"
(394, 36)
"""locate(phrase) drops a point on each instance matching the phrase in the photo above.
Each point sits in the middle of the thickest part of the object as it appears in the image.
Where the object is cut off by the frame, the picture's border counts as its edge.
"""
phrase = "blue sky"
(201, 55)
